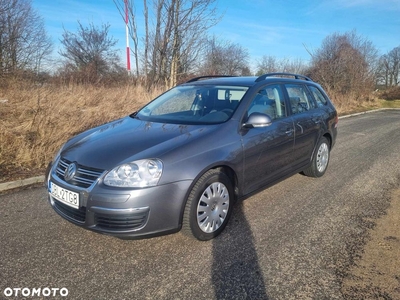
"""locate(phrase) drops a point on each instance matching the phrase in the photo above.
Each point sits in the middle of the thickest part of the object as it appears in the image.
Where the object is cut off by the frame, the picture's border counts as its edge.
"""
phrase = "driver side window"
(270, 101)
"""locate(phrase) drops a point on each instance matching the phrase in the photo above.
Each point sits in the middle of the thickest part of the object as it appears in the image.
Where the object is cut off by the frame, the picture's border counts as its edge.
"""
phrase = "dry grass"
(347, 105)
(36, 120)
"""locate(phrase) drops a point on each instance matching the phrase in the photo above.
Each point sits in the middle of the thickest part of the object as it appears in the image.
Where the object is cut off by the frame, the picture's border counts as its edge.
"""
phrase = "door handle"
(289, 131)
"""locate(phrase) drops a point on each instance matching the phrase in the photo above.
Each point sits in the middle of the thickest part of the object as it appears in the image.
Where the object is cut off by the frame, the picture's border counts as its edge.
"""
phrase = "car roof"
(234, 80)
(247, 80)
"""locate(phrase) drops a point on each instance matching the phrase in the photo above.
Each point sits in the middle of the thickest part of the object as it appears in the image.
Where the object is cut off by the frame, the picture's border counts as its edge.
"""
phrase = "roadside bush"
(346, 103)
(391, 94)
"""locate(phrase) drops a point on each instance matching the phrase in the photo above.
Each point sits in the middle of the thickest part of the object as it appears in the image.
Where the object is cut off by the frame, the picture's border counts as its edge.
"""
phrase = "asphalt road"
(294, 240)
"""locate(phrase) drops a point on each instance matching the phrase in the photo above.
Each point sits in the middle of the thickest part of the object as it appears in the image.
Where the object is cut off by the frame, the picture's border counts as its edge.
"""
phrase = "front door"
(267, 150)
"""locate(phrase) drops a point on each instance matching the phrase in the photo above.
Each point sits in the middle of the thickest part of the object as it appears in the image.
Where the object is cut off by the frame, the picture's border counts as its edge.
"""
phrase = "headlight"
(140, 173)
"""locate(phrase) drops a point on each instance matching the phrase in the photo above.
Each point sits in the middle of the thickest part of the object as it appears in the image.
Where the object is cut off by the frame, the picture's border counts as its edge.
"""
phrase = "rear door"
(307, 123)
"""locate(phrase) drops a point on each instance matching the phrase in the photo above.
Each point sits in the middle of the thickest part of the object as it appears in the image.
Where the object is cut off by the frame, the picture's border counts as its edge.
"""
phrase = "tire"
(320, 161)
(209, 206)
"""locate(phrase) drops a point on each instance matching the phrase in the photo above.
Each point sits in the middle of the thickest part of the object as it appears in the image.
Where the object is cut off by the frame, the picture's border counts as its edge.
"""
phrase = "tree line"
(177, 45)
(24, 43)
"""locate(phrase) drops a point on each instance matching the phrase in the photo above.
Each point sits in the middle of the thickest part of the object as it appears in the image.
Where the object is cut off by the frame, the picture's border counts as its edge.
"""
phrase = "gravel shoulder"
(376, 275)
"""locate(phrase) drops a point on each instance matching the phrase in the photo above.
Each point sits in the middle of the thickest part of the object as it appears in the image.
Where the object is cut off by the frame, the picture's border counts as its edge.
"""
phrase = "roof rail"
(207, 76)
(296, 76)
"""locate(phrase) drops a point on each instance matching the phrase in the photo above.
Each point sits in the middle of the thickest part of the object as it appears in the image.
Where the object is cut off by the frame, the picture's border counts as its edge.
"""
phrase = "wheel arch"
(328, 136)
(232, 176)
(223, 168)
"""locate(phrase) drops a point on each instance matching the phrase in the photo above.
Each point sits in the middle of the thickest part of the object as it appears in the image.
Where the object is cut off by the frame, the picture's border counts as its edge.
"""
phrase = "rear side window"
(300, 100)
(318, 96)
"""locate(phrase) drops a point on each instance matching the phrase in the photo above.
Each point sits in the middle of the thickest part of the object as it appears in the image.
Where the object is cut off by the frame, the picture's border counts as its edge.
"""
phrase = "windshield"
(194, 105)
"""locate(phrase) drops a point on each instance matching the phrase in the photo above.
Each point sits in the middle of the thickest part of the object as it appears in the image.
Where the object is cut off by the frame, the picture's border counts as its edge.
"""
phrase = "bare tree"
(90, 50)
(394, 63)
(24, 43)
(146, 41)
(388, 72)
(270, 64)
(267, 64)
(345, 64)
(176, 45)
(192, 19)
(174, 40)
(225, 58)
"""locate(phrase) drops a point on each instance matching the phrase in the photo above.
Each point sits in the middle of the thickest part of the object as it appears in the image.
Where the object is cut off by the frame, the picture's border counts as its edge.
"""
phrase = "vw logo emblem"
(70, 172)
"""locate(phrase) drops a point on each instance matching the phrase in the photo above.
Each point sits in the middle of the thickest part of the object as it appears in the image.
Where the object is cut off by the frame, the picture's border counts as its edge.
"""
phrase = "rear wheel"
(320, 161)
(209, 206)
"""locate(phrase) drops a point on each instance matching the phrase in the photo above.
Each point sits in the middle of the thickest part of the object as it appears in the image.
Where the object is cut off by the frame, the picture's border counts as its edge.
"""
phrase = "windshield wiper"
(134, 115)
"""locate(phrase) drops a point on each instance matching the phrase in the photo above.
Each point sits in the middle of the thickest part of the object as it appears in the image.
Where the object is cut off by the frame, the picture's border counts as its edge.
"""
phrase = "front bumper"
(122, 212)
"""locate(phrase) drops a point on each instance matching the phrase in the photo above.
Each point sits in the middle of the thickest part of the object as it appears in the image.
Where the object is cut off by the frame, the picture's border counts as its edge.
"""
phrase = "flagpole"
(128, 57)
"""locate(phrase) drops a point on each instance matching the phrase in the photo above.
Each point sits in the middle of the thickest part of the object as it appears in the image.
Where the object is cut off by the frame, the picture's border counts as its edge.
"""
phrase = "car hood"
(129, 139)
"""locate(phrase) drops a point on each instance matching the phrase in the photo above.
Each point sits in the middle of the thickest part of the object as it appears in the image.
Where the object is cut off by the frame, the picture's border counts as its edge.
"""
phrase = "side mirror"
(257, 120)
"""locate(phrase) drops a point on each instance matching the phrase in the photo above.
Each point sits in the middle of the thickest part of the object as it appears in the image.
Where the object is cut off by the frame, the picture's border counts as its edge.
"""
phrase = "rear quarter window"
(318, 96)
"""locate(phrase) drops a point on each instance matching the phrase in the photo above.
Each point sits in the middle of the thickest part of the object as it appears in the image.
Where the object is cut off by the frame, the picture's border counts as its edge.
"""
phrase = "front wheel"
(320, 161)
(209, 206)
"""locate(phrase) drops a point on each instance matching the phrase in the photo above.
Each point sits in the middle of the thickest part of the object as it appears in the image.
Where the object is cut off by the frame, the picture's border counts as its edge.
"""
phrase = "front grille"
(84, 177)
(78, 215)
(121, 222)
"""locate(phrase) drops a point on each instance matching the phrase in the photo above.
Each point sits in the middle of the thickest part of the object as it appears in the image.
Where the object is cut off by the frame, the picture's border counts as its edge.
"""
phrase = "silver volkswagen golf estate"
(184, 159)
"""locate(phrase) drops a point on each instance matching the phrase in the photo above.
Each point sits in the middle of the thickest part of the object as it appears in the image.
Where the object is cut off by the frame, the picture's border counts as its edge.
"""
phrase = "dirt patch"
(377, 274)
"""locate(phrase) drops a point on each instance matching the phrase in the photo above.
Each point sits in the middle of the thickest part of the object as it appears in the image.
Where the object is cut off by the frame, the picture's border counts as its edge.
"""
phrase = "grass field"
(390, 104)
(36, 120)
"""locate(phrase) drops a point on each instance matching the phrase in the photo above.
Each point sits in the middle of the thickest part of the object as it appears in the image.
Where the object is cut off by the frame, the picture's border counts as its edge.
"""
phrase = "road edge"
(40, 179)
(367, 112)
(20, 183)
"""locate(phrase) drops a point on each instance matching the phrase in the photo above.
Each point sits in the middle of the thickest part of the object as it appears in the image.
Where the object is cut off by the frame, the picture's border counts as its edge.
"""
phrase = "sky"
(280, 28)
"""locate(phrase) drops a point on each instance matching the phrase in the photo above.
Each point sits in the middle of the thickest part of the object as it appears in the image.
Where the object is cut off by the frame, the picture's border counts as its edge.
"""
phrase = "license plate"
(65, 196)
